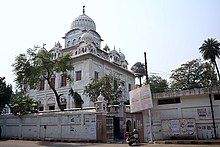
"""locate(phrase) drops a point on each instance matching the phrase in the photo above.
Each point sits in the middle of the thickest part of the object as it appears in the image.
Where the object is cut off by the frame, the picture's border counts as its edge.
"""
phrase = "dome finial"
(83, 9)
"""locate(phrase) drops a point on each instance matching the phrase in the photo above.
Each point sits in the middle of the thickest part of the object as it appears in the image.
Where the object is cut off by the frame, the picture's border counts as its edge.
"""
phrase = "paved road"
(22, 143)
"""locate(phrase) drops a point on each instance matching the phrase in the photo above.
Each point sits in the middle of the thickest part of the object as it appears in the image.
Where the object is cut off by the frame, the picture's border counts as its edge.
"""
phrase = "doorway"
(117, 133)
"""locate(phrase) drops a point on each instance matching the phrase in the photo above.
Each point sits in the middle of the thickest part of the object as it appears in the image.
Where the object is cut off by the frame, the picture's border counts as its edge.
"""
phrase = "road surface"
(23, 143)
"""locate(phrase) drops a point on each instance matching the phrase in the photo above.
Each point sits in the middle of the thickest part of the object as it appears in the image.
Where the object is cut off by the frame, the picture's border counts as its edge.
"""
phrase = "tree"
(193, 74)
(77, 98)
(157, 84)
(22, 104)
(5, 94)
(210, 50)
(36, 65)
(108, 85)
(139, 70)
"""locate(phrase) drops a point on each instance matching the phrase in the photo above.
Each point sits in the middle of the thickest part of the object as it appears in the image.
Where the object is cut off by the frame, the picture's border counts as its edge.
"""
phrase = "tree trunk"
(216, 66)
(56, 95)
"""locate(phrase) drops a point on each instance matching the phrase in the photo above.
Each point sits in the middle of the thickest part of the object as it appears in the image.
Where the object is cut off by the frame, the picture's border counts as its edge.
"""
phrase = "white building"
(89, 61)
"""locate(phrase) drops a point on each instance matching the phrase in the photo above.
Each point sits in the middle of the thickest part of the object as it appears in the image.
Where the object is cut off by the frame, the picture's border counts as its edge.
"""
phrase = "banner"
(179, 127)
(140, 99)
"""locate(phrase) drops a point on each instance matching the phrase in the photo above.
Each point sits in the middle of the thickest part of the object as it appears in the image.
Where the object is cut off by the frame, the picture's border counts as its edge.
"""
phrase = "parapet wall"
(191, 92)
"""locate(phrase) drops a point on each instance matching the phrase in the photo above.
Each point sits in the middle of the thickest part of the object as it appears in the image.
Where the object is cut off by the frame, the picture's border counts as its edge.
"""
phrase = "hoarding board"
(140, 99)
(179, 127)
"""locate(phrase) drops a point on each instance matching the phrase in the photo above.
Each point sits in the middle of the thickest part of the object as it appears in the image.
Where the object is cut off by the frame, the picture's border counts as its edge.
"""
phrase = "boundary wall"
(74, 126)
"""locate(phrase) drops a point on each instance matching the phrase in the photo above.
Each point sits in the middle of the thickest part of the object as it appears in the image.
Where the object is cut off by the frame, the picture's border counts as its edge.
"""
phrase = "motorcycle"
(133, 139)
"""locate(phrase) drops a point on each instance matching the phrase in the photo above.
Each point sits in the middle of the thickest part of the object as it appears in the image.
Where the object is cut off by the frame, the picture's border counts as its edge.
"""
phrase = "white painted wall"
(54, 125)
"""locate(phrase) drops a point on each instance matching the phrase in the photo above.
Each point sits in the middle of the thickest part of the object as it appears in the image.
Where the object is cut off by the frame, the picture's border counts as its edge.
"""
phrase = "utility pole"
(213, 117)
(146, 74)
(149, 111)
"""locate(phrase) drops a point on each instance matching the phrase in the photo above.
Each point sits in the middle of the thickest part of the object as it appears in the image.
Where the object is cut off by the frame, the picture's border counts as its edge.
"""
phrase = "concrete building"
(90, 61)
(183, 114)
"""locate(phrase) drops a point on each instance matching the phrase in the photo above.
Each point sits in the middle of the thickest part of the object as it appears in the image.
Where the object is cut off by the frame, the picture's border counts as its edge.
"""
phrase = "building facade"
(89, 60)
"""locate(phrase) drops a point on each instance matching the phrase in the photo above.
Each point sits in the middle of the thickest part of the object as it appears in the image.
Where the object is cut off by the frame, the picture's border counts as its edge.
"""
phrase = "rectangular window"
(41, 108)
(96, 75)
(52, 107)
(78, 75)
(129, 87)
(63, 106)
(52, 80)
(216, 96)
(41, 84)
(63, 80)
(168, 101)
(115, 84)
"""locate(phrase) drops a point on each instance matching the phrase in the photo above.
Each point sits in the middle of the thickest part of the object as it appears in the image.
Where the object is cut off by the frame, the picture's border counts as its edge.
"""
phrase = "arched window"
(42, 84)
(73, 41)
(128, 126)
(68, 43)
(63, 80)
(63, 102)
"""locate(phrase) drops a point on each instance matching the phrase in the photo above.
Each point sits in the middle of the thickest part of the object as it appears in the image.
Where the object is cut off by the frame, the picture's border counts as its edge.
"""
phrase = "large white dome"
(83, 22)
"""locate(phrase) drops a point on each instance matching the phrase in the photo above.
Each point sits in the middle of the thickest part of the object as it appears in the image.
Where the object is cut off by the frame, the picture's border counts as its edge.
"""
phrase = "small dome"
(114, 53)
(83, 22)
(100, 98)
(122, 55)
(87, 37)
(56, 47)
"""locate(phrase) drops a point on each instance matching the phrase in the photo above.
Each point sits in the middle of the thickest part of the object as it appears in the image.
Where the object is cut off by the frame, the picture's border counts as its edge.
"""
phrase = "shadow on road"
(2, 139)
(62, 144)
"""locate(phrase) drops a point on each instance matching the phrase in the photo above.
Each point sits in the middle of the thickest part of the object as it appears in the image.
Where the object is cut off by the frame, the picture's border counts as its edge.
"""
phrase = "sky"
(169, 31)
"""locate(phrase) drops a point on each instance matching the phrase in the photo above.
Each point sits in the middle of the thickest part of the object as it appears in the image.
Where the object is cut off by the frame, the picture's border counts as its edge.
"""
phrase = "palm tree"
(139, 70)
(210, 50)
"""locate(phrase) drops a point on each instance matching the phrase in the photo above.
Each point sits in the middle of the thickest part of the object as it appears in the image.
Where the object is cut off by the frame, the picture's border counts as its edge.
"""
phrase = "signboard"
(179, 127)
(140, 99)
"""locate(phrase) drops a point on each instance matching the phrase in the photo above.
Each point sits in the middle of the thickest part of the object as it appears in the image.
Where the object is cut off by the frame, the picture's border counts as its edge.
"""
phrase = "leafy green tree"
(210, 50)
(193, 74)
(108, 85)
(77, 98)
(21, 104)
(139, 70)
(36, 65)
(157, 84)
(5, 94)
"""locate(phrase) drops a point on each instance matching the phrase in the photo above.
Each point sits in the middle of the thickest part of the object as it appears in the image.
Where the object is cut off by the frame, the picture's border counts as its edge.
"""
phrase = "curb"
(188, 142)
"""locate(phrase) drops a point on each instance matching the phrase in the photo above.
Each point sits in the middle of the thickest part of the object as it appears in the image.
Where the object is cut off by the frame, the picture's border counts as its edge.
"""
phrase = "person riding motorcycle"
(134, 138)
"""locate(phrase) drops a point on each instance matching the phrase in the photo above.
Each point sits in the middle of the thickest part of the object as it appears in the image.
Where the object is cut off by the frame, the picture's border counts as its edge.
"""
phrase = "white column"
(145, 125)
(57, 81)
(150, 123)
(56, 105)
(45, 102)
